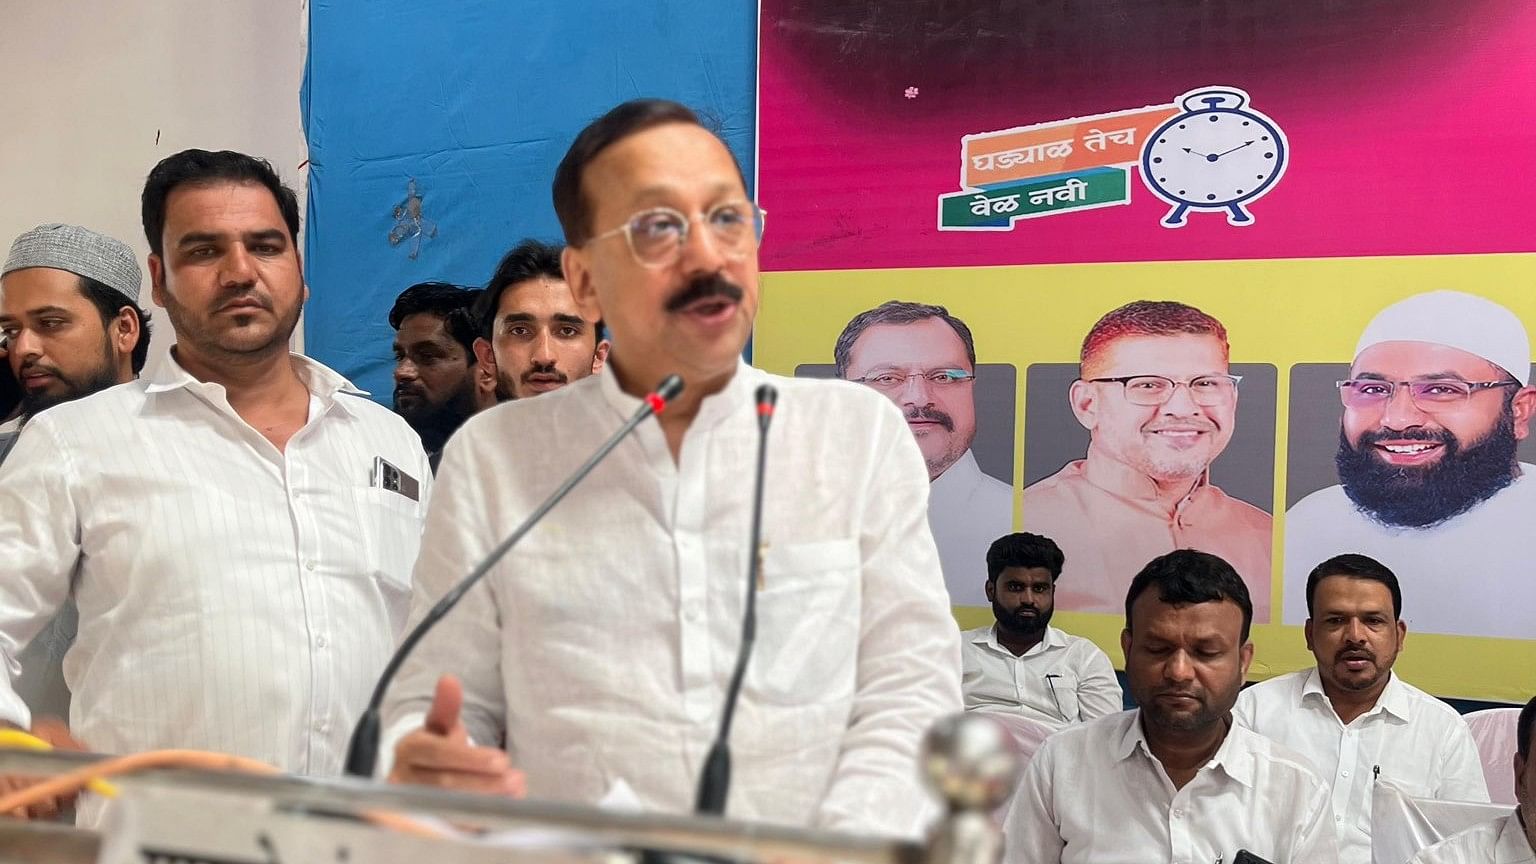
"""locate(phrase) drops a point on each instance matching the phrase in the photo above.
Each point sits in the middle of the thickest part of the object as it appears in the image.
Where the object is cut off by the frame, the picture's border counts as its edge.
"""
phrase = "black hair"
(529, 259)
(109, 302)
(629, 118)
(897, 312)
(1023, 550)
(205, 168)
(1524, 728)
(444, 300)
(1356, 567)
(1186, 576)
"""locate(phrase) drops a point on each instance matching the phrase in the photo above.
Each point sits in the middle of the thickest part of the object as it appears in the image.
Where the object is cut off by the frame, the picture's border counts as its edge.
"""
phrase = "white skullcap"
(1458, 320)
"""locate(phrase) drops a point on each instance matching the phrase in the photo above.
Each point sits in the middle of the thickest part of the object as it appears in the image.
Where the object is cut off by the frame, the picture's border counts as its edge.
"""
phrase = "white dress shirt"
(1500, 841)
(232, 597)
(601, 647)
(1486, 545)
(1095, 793)
(967, 510)
(1418, 742)
(1062, 680)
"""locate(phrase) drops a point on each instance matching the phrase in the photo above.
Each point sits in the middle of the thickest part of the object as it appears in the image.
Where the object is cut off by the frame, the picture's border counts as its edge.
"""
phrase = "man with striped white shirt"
(240, 571)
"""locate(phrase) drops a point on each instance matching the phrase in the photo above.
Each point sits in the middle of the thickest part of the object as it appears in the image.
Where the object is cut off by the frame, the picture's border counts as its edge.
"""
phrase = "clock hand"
(1197, 153)
(1233, 150)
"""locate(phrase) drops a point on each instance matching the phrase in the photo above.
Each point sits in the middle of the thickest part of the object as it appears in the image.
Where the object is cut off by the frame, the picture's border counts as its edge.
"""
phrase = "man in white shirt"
(70, 314)
(239, 577)
(1351, 716)
(1436, 403)
(1175, 780)
(600, 649)
(1023, 666)
(924, 359)
(1512, 839)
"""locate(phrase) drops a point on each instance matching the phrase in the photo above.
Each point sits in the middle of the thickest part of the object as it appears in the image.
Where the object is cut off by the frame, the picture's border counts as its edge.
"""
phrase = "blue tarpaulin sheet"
(435, 127)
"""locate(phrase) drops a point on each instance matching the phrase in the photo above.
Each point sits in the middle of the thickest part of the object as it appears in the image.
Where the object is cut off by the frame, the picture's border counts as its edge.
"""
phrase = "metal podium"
(177, 816)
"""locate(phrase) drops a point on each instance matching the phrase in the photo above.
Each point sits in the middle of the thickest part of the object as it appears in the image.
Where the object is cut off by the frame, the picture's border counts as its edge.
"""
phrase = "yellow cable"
(19, 740)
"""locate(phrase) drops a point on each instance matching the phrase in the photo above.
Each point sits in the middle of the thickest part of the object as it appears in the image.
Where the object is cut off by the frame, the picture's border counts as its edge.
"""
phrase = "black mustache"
(704, 288)
(1412, 433)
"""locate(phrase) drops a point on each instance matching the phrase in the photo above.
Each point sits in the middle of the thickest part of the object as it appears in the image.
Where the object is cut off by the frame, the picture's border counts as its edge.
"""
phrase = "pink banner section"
(1418, 148)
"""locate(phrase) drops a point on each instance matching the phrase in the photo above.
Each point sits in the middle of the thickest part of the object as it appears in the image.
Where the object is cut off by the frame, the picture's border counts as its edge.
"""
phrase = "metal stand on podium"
(202, 817)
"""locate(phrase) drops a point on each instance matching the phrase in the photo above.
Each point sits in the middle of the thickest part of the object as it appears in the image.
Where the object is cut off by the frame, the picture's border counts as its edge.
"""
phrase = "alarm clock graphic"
(1218, 154)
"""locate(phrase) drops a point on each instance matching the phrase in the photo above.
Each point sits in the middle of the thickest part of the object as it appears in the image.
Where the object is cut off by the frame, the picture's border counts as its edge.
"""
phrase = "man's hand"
(440, 754)
(55, 732)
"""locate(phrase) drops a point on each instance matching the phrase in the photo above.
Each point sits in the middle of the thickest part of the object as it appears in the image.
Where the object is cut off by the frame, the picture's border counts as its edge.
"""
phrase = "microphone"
(715, 780)
(363, 751)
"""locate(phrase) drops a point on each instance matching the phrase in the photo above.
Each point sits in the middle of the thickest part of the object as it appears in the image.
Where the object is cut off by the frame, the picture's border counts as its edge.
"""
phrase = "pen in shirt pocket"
(1051, 683)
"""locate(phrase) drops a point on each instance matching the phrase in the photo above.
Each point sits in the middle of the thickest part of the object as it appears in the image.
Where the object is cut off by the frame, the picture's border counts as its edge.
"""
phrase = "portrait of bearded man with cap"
(1437, 399)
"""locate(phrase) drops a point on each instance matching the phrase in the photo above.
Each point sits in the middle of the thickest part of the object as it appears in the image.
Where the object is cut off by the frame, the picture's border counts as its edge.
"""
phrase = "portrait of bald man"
(1435, 403)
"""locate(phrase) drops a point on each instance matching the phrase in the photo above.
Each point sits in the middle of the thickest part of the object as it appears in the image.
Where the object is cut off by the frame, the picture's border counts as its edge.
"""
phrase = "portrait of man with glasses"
(1430, 484)
(1156, 394)
(924, 359)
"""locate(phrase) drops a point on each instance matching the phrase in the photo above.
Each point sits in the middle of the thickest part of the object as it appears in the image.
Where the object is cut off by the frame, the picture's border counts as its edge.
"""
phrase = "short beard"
(1424, 497)
(98, 379)
(1018, 625)
(1203, 718)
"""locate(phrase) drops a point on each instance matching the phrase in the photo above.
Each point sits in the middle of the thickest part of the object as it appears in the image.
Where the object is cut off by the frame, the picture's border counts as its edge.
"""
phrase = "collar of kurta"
(1234, 757)
(1120, 479)
(1053, 638)
(321, 381)
(1394, 698)
(716, 407)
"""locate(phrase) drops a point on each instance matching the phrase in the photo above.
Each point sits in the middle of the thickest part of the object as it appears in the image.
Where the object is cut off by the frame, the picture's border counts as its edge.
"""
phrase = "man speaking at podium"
(594, 658)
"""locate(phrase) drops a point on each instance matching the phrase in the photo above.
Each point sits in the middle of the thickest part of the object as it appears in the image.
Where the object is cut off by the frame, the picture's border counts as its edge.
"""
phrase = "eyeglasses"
(890, 382)
(657, 236)
(1442, 394)
(1206, 391)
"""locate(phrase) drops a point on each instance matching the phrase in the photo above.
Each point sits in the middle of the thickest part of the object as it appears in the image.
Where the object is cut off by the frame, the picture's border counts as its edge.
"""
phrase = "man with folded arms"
(1174, 780)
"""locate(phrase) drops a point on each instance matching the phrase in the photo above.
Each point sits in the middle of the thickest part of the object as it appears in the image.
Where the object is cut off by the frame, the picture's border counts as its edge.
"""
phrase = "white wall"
(86, 86)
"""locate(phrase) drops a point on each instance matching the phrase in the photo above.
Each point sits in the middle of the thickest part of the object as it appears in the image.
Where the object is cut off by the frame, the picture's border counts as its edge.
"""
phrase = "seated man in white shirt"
(1512, 839)
(1351, 717)
(1023, 666)
(1175, 780)
(600, 649)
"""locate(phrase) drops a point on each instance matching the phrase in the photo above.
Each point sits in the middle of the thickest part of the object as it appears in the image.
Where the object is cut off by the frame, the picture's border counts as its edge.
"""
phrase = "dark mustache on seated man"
(590, 664)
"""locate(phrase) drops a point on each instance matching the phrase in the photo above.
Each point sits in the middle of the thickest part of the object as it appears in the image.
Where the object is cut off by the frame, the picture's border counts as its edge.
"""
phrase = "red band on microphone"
(657, 403)
(765, 409)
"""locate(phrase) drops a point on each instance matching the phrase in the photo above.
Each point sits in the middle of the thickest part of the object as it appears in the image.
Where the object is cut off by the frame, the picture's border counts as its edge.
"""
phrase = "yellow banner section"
(1280, 312)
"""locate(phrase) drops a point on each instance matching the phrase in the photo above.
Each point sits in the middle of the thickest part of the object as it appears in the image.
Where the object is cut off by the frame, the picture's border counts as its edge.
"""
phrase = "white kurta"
(967, 510)
(1470, 576)
(601, 647)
